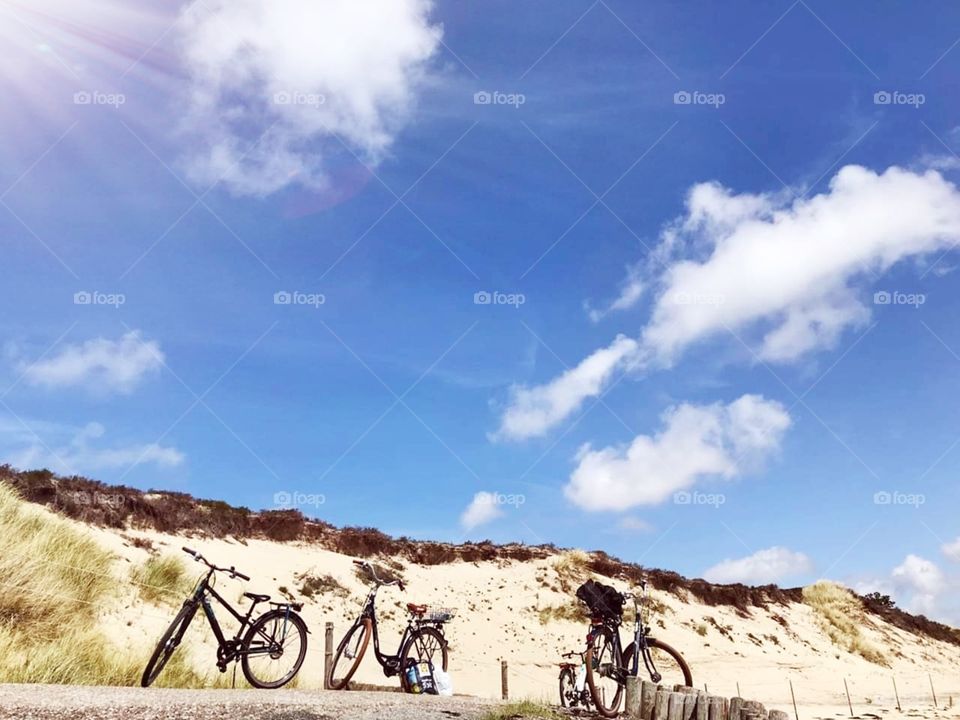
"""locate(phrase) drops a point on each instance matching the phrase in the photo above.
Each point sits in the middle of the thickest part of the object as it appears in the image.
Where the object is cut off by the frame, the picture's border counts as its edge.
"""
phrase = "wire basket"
(439, 615)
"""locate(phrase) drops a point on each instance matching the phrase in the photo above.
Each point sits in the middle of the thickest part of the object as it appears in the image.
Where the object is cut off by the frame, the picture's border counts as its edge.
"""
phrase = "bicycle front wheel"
(666, 665)
(168, 644)
(568, 688)
(349, 654)
(606, 673)
(427, 649)
(273, 649)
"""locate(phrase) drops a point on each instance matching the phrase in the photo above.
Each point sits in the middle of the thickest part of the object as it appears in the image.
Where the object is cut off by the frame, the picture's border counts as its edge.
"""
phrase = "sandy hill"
(514, 602)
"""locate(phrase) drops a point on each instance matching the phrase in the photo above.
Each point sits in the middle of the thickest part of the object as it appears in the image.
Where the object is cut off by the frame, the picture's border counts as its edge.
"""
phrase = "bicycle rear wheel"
(169, 642)
(349, 654)
(427, 649)
(273, 649)
(605, 672)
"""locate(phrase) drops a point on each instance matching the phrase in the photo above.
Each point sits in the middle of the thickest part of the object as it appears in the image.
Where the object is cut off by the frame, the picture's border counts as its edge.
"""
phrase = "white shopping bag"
(443, 682)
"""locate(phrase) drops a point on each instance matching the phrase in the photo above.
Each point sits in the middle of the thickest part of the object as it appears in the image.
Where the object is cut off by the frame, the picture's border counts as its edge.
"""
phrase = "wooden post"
(703, 706)
(633, 697)
(716, 708)
(661, 704)
(932, 691)
(675, 706)
(689, 705)
(327, 653)
(794, 699)
(504, 684)
(739, 694)
(735, 704)
(896, 694)
(849, 704)
(648, 692)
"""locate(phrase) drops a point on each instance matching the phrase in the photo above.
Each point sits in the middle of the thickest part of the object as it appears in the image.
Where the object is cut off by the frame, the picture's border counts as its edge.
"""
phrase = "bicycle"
(573, 677)
(277, 634)
(608, 664)
(422, 647)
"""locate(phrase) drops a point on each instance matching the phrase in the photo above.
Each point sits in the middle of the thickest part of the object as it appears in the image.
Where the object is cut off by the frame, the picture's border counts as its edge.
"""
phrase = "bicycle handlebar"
(376, 578)
(234, 573)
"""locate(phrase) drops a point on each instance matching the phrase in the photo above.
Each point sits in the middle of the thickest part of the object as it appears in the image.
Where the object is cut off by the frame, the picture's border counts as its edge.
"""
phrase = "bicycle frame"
(641, 636)
(228, 649)
(389, 663)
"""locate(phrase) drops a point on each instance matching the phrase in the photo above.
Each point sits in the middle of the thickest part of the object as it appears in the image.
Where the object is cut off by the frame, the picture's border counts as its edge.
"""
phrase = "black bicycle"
(270, 652)
(422, 648)
(573, 682)
(608, 664)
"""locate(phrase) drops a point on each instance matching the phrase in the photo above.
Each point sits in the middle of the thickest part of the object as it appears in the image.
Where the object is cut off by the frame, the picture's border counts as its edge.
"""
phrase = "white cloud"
(296, 76)
(101, 365)
(696, 442)
(534, 410)
(793, 272)
(70, 450)
(919, 582)
(481, 510)
(952, 549)
(795, 266)
(762, 568)
(631, 290)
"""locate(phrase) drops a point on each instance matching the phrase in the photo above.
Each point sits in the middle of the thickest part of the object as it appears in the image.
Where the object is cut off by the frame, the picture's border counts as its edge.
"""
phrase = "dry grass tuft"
(841, 615)
(572, 568)
(162, 579)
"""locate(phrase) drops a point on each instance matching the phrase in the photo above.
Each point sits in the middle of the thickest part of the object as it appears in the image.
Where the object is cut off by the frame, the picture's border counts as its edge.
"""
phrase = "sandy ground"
(757, 657)
(58, 702)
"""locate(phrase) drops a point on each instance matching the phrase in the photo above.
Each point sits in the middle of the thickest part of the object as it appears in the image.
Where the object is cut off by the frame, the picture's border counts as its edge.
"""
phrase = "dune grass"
(841, 614)
(54, 583)
(162, 579)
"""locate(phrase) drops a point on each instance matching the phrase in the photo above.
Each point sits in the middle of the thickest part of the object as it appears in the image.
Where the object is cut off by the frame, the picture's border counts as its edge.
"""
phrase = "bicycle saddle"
(255, 597)
(416, 609)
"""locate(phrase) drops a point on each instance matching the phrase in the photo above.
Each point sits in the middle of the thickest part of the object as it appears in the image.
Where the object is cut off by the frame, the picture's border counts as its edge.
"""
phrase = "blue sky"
(724, 190)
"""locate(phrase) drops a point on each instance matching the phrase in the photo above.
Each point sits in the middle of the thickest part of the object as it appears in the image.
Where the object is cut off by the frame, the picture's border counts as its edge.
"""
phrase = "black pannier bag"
(603, 600)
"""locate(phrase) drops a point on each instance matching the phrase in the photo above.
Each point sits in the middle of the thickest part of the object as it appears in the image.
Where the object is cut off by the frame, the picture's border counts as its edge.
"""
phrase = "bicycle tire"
(672, 652)
(606, 638)
(568, 683)
(411, 643)
(365, 626)
(164, 650)
(301, 628)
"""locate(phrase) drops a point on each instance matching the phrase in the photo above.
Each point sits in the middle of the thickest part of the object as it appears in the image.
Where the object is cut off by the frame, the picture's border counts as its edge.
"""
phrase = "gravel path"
(73, 702)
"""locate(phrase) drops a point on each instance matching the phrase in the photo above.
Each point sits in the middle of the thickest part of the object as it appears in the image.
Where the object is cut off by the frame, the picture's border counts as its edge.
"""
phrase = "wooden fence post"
(675, 706)
(327, 653)
(715, 705)
(648, 693)
(504, 683)
(933, 692)
(735, 704)
(849, 704)
(661, 703)
(689, 705)
(703, 706)
(794, 699)
(633, 697)
(896, 694)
